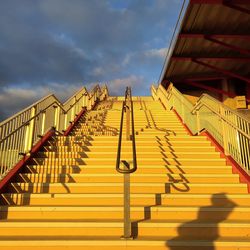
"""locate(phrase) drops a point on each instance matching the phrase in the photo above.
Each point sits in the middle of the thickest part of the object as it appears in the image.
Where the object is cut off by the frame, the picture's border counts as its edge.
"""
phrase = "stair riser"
(133, 178)
(136, 201)
(201, 233)
(145, 154)
(122, 245)
(87, 161)
(167, 188)
(204, 216)
(141, 170)
(139, 149)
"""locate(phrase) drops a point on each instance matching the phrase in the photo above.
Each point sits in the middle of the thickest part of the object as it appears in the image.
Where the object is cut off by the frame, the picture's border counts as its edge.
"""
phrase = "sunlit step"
(110, 169)
(206, 214)
(153, 187)
(217, 199)
(135, 177)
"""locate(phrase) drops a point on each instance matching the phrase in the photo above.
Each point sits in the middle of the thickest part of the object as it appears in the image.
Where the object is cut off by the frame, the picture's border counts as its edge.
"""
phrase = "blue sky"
(57, 46)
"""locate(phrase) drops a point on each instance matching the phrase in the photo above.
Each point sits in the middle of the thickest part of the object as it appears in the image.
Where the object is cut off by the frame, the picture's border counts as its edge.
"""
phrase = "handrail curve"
(126, 105)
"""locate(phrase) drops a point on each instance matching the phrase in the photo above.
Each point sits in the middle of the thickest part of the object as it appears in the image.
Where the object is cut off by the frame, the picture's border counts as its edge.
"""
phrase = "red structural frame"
(219, 2)
(19, 166)
(203, 86)
(223, 71)
(185, 58)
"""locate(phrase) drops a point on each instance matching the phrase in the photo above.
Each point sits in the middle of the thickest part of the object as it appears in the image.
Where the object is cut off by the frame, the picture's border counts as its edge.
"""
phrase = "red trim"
(198, 35)
(219, 1)
(71, 126)
(185, 126)
(186, 58)
(236, 7)
(200, 85)
(226, 72)
(236, 168)
(230, 46)
(18, 167)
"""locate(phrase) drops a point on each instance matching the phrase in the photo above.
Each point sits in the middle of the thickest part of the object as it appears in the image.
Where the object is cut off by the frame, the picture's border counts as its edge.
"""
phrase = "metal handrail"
(20, 132)
(229, 128)
(125, 108)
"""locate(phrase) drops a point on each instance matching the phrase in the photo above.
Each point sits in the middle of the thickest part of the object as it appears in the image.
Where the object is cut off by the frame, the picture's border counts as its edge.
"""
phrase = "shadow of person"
(205, 229)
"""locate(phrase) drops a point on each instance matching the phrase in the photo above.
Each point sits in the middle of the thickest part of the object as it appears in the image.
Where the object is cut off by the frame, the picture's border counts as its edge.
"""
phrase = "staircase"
(183, 195)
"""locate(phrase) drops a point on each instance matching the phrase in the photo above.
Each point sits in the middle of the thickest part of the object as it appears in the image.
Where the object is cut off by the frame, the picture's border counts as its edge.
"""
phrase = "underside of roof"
(212, 42)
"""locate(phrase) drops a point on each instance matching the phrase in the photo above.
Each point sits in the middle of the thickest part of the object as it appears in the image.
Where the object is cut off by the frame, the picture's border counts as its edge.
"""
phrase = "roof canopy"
(212, 41)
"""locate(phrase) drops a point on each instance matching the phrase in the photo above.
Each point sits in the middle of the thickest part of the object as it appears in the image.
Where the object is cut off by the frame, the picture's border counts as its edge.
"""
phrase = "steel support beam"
(223, 71)
(246, 2)
(232, 47)
(212, 89)
(215, 36)
(184, 58)
(237, 7)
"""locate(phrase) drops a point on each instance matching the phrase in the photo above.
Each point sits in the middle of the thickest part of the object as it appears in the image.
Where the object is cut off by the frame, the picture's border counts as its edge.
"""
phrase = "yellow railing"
(20, 132)
(230, 129)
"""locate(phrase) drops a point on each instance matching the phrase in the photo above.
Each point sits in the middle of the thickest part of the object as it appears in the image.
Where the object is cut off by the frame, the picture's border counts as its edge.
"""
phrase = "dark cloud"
(82, 41)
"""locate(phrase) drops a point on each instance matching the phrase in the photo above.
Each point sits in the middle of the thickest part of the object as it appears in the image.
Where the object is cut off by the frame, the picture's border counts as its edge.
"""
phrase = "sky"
(58, 46)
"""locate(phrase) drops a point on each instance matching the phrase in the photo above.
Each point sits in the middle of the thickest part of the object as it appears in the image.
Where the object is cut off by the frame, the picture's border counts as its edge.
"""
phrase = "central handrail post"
(126, 205)
(127, 110)
(127, 106)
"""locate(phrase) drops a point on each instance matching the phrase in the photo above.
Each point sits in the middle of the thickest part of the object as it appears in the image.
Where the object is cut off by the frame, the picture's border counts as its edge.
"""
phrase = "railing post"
(182, 112)
(56, 117)
(127, 122)
(224, 132)
(198, 122)
(29, 132)
(126, 205)
(43, 122)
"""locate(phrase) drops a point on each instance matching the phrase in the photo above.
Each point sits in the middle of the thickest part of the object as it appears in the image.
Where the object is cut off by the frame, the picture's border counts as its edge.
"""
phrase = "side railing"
(127, 107)
(230, 129)
(20, 132)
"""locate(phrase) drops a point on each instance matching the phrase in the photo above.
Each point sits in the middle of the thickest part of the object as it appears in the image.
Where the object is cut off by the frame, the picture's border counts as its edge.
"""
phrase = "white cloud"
(13, 99)
(150, 54)
(118, 86)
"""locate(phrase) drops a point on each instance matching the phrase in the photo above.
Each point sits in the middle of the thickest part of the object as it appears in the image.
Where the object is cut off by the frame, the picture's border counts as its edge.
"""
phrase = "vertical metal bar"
(127, 222)
(127, 122)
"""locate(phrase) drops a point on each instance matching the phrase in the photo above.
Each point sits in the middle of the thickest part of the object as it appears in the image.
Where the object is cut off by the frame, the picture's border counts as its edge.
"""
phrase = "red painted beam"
(18, 167)
(229, 46)
(196, 35)
(237, 7)
(203, 78)
(245, 2)
(223, 71)
(71, 126)
(212, 89)
(183, 58)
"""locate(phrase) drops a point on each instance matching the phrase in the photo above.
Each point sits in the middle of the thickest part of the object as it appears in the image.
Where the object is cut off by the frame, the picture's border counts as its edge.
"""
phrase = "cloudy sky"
(56, 46)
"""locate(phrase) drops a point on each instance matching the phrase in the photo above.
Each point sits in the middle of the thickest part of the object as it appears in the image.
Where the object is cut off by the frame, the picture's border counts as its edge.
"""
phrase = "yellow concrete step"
(142, 169)
(146, 154)
(140, 160)
(209, 214)
(135, 177)
(153, 187)
(110, 243)
(111, 199)
(127, 148)
(193, 229)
